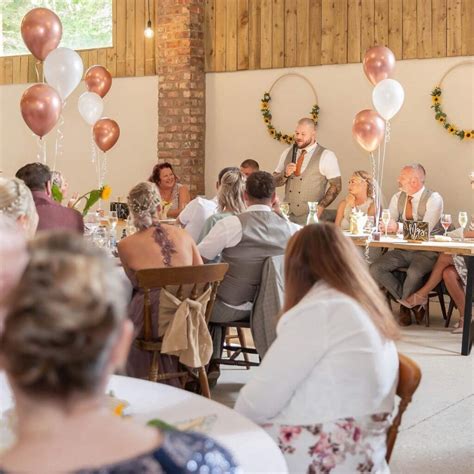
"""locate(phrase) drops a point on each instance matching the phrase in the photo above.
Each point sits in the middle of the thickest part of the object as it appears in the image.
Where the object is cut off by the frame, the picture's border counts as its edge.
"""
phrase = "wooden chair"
(201, 277)
(408, 380)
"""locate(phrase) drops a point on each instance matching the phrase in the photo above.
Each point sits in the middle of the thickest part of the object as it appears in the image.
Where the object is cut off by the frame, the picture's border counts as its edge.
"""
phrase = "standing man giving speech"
(306, 168)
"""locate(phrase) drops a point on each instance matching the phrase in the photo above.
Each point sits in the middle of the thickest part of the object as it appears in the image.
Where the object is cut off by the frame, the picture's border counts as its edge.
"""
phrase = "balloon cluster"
(369, 126)
(41, 104)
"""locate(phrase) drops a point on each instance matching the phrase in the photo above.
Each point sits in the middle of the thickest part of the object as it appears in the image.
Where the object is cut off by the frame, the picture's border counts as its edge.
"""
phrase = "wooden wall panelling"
(340, 42)
(290, 33)
(23, 70)
(409, 30)
(302, 32)
(112, 52)
(2, 70)
(367, 32)
(266, 22)
(278, 33)
(381, 18)
(8, 64)
(454, 25)
(221, 23)
(354, 9)
(210, 35)
(243, 34)
(231, 36)
(150, 65)
(438, 28)
(327, 32)
(140, 25)
(16, 69)
(254, 34)
(423, 28)
(130, 39)
(121, 37)
(395, 21)
(93, 57)
(315, 21)
(467, 24)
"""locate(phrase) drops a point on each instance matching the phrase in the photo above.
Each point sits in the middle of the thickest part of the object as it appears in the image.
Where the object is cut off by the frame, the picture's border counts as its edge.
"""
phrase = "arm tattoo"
(335, 186)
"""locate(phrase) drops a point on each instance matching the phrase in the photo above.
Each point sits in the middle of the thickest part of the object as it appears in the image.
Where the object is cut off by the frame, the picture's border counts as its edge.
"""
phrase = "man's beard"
(304, 144)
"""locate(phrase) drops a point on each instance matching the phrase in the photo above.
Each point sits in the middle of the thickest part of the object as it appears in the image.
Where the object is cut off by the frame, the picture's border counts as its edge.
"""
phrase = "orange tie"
(299, 162)
(409, 209)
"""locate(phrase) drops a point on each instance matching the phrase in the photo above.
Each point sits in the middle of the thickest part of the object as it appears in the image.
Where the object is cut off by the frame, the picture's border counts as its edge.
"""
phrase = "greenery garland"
(267, 118)
(442, 118)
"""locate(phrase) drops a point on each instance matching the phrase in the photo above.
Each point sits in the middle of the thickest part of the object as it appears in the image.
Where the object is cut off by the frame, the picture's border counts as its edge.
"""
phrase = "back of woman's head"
(322, 252)
(16, 201)
(143, 200)
(230, 196)
(62, 318)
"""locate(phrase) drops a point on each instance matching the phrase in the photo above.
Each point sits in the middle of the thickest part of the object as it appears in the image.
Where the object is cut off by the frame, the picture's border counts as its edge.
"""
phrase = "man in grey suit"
(309, 172)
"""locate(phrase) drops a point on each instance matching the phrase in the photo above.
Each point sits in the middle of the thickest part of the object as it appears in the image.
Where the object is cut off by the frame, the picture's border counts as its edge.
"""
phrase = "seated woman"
(154, 245)
(16, 202)
(65, 334)
(336, 387)
(453, 271)
(230, 200)
(169, 190)
(361, 190)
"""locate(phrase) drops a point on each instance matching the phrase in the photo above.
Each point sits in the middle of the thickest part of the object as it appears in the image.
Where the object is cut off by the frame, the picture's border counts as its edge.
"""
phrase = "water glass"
(91, 222)
(462, 218)
(113, 220)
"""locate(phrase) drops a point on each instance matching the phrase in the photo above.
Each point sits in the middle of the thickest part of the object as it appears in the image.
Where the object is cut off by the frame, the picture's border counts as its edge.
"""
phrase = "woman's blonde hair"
(16, 201)
(143, 199)
(322, 252)
(230, 196)
(62, 318)
(371, 188)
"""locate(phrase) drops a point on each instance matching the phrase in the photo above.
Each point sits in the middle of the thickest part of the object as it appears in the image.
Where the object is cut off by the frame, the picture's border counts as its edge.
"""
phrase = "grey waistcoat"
(420, 212)
(264, 234)
(309, 186)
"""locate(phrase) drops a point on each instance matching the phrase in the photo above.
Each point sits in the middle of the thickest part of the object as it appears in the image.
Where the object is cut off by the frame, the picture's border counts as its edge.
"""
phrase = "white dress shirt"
(328, 164)
(328, 362)
(228, 233)
(434, 208)
(195, 214)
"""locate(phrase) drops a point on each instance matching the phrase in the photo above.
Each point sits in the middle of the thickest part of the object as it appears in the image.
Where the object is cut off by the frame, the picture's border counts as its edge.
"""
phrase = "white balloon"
(388, 96)
(90, 107)
(63, 70)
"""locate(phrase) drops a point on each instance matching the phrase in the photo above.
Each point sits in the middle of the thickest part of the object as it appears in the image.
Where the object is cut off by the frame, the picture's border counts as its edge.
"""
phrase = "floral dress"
(343, 446)
(460, 263)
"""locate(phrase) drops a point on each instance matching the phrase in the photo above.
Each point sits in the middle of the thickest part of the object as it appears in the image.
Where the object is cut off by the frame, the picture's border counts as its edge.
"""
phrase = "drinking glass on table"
(446, 222)
(91, 222)
(285, 209)
(113, 219)
(386, 219)
(462, 218)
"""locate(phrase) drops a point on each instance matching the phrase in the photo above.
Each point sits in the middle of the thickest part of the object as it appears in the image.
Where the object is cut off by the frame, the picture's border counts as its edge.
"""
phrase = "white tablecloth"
(253, 449)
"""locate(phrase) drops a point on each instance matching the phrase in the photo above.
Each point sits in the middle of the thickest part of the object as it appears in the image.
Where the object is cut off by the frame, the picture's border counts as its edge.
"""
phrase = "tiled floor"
(437, 432)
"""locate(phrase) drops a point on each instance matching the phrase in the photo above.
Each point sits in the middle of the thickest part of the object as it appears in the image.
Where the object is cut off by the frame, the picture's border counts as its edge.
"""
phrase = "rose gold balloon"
(106, 133)
(368, 128)
(98, 80)
(41, 30)
(379, 63)
(40, 107)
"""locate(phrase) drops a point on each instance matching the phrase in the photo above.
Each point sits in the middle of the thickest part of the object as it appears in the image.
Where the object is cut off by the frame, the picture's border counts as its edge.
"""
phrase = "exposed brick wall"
(181, 95)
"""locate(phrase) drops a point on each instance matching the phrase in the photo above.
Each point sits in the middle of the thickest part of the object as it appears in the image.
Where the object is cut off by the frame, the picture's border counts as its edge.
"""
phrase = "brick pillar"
(181, 89)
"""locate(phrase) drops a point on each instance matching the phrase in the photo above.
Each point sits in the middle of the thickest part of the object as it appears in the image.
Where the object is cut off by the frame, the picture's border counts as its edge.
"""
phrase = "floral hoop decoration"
(440, 114)
(278, 135)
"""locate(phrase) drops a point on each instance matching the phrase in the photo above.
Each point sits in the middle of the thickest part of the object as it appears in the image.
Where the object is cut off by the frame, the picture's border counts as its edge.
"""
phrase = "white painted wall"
(132, 102)
(235, 129)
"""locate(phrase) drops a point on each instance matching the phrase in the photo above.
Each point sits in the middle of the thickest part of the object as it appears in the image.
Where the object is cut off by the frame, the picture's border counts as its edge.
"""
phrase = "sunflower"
(272, 132)
(442, 119)
(468, 135)
(263, 105)
(436, 99)
(105, 192)
(452, 129)
(266, 120)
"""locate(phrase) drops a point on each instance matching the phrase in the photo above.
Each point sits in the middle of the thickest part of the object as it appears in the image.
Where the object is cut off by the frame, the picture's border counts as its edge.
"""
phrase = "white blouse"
(327, 362)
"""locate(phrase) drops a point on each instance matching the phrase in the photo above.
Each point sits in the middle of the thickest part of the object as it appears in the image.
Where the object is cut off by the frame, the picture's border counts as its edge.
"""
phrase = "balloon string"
(59, 141)
(93, 148)
(41, 155)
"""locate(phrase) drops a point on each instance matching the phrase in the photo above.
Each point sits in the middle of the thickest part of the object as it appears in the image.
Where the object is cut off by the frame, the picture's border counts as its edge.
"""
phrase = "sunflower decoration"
(92, 197)
(267, 119)
(442, 118)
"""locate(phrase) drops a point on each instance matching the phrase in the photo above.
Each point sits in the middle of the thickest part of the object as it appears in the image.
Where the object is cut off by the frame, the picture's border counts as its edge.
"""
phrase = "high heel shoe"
(414, 300)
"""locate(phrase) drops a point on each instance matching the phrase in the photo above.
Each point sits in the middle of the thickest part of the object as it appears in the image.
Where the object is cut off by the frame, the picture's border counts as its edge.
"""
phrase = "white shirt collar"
(258, 207)
(418, 194)
(310, 149)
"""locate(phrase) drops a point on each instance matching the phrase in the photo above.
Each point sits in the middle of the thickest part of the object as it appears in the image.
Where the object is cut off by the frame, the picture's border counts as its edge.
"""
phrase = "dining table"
(453, 247)
(253, 449)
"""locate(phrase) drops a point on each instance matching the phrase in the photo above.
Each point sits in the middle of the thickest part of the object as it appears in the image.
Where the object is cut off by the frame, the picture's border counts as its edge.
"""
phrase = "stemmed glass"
(462, 218)
(446, 222)
(285, 209)
(386, 219)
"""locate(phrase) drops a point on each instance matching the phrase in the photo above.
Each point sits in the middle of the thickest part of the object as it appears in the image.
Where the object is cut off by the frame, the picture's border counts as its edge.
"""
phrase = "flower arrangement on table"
(267, 118)
(92, 197)
(442, 118)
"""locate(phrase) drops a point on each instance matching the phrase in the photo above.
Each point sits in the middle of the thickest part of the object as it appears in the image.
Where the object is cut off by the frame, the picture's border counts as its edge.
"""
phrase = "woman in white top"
(325, 389)
(361, 190)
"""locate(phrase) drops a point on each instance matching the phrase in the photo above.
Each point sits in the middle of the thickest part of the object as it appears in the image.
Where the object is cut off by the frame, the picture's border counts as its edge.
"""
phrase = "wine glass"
(386, 219)
(462, 218)
(113, 219)
(91, 222)
(446, 222)
(285, 209)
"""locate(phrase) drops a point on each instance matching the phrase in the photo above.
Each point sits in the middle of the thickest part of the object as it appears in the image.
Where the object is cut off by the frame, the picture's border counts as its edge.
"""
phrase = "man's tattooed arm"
(335, 186)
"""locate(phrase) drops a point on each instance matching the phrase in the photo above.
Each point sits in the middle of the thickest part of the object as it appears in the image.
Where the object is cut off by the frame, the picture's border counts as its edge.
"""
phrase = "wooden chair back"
(408, 380)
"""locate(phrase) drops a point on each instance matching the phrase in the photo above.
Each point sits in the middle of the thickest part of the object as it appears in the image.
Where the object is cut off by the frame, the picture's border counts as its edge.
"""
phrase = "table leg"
(467, 327)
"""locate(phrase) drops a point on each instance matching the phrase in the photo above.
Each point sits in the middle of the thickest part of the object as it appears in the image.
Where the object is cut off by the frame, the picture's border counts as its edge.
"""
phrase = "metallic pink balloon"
(106, 133)
(41, 30)
(40, 107)
(379, 63)
(368, 128)
(98, 80)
